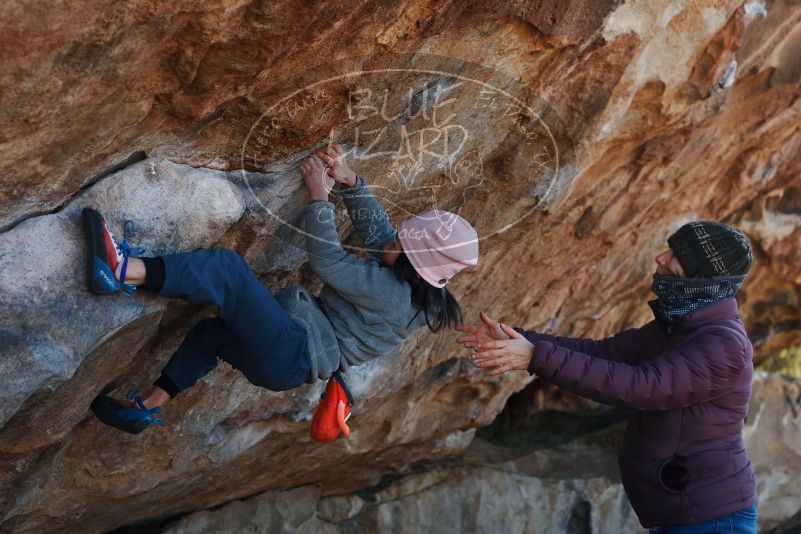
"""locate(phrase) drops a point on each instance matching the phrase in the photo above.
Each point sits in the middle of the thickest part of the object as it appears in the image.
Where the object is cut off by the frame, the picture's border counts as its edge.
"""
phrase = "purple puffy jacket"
(683, 459)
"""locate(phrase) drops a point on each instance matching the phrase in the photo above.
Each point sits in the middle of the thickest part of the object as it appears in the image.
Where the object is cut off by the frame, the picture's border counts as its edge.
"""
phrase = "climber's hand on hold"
(491, 330)
(501, 356)
(337, 166)
(318, 183)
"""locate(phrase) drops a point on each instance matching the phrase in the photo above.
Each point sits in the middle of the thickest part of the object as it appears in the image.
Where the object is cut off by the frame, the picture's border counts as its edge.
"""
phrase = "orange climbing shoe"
(332, 411)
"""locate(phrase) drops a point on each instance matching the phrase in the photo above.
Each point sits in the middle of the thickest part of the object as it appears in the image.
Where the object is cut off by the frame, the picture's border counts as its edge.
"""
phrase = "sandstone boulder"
(575, 135)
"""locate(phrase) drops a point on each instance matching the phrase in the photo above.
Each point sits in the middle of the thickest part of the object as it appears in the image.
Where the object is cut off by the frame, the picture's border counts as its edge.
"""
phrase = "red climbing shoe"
(332, 411)
(108, 260)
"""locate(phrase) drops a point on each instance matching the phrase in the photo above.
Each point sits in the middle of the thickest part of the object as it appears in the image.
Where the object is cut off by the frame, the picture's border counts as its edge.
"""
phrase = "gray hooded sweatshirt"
(363, 310)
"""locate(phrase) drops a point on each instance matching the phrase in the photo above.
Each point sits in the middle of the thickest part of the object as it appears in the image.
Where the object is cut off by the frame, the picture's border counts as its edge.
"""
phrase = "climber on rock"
(366, 308)
(686, 375)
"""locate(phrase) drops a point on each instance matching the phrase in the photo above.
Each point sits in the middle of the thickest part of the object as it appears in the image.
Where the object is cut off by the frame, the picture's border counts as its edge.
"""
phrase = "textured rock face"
(50, 322)
(773, 441)
(443, 500)
(551, 487)
(574, 135)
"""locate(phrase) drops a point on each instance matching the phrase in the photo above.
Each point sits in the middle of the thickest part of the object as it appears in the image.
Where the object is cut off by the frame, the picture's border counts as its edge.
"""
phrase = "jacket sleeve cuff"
(345, 190)
(539, 364)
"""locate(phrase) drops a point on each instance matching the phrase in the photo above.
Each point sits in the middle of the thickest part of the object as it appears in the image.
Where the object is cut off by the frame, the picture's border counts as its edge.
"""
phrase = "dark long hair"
(437, 304)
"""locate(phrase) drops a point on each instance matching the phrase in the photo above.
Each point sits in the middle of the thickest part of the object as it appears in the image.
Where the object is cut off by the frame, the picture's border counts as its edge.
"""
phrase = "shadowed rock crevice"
(579, 522)
(135, 157)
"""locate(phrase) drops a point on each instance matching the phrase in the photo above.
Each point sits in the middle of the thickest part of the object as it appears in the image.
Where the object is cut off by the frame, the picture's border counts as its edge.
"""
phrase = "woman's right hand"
(333, 156)
(480, 334)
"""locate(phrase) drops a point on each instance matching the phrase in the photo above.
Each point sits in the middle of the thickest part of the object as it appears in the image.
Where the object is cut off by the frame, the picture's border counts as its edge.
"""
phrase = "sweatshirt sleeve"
(700, 371)
(625, 346)
(368, 216)
(358, 279)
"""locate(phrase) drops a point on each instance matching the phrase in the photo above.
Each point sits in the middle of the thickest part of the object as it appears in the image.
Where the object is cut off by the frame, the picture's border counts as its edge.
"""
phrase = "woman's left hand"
(317, 181)
(501, 356)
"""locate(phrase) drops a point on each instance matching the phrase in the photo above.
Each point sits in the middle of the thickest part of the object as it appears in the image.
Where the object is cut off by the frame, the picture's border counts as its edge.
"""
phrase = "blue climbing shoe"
(131, 417)
(108, 261)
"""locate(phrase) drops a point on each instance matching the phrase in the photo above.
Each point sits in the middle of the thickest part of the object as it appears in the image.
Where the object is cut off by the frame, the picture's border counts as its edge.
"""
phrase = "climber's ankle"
(135, 273)
(156, 397)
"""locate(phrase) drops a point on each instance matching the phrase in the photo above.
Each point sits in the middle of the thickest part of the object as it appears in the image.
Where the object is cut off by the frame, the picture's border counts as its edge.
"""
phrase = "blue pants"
(742, 522)
(252, 332)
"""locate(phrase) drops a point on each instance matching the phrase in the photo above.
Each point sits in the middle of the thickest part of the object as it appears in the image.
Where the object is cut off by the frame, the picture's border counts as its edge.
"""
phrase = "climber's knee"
(228, 256)
(229, 261)
(280, 369)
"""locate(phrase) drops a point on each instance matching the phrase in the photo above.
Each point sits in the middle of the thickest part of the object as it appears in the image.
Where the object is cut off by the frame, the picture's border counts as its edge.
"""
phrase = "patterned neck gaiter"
(677, 298)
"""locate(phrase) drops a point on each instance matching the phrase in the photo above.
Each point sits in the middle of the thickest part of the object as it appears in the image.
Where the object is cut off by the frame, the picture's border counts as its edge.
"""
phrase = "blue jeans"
(742, 522)
(253, 333)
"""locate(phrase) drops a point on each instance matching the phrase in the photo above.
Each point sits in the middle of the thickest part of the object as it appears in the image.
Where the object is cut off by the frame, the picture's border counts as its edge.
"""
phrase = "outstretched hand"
(501, 356)
(479, 334)
(496, 347)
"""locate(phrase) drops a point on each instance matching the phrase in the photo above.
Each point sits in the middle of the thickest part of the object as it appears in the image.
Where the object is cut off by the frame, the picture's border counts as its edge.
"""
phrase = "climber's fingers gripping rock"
(318, 183)
(337, 166)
